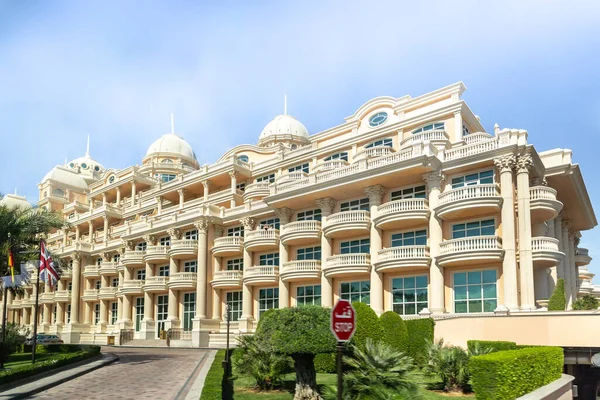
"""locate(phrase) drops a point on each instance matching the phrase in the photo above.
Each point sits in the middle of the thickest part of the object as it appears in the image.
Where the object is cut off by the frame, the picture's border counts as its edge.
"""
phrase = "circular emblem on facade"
(596, 360)
(378, 119)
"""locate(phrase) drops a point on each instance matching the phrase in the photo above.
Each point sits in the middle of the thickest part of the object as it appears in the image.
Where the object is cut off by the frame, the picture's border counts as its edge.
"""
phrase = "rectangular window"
(355, 246)
(477, 178)
(115, 282)
(114, 312)
(356, 291)
(140, 274)
(70, 286)
(415, 238)
(53, 313)
(268, 259)
(475, 291)
(68, 313)
(415, 192)
(96, 313)
(430, 127)
(267, 178)
(165, 241)
(117, 258)
(98, 284)
(302, 168)
(141, 246)
(98, 261)
(267, 300)
(236, 264)
(310, 215)
(271, 223)
(139, 313)
(190, 266)
(241, 186)
(382, 142)
(163, 270)
(338, 156)
(308, 295)
(309, 253)
(409, 294)
(476, 228)
(235, 231)
(191, 235)
(189, 310)
(234, 299)
(362, 204)
(465, 130)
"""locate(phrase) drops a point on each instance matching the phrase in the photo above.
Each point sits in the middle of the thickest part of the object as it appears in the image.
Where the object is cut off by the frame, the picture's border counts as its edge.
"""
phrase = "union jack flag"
(48, 272)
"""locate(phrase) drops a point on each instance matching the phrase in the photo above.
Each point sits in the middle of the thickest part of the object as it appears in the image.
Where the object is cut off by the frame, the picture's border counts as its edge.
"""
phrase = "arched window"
(338, 156)
(243, 158)
(166, 161)
(58, 192)
(111, 179)
(430, 127)
(381, 142)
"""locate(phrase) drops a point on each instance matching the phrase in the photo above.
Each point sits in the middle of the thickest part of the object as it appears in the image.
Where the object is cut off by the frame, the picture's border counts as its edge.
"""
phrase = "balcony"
(373, 152)
(291, 177)
(469, 201)
(156, 254)
(347, 264)
(256, 190)
(545, 252)
(91, 271)
(301, 270)
(62, 296)
(261, 239)
(108, 268)
(331, 164)
(395, 259)
(182, 280)
(543, 203)
(582, 257)
(585, 274)
(301, 232)
(263, 274)
(46, 298)
(133, 258)
(154, 284)
(132, 287)
(90, 295)
(347, 223)
(470, 250)
(183, 248)
(66, 273)
(437, 136)
(227, 280)
(228, 246)
(400, 214)
(107, 293)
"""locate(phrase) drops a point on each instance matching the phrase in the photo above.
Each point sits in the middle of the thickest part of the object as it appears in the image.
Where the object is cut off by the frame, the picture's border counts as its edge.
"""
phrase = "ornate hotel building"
(408, 205)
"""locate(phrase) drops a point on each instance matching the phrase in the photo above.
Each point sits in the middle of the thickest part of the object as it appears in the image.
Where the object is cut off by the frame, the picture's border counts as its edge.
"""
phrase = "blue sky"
(116, 70)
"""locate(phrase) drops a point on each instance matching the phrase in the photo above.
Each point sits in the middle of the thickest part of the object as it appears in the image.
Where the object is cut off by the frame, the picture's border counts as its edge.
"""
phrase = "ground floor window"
(114, 309)
(139, 313)
(96, 313)
(234, 299)
(475, 291)
(308, 295)
(267, 299)
(409, 294)
(356, 291)
(189, 310)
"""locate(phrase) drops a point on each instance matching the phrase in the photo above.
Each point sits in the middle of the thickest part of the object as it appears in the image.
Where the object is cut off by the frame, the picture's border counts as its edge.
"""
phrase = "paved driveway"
(155, 373)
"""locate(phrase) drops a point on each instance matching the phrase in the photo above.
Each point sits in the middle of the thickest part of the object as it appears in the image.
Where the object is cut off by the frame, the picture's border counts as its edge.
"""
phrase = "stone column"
(158, 205)
(233, 175)
(103, 313)
(105, 229)
(434, 181)
(206, 185)
(90, 231)
(181, 193)
(202, 227)
(552, 272)
(26, 311)
(524, 164)
(573, 269)
(75, 290)
(60, 307)
(375, 194)
(126, 299)
(560, 268)
(216, 304)
(247, 300)
(566, 224)
(77, 233)
(284, 214)
(505, 166)
(118, 201)
(104, 199)
(458, 124)
(326, 205)
(133, 193)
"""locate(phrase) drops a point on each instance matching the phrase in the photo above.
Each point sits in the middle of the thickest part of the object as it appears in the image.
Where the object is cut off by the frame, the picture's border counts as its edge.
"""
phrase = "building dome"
(13, 201)
(86, 163)
(284, 125)
(67, 176)
(171, 144)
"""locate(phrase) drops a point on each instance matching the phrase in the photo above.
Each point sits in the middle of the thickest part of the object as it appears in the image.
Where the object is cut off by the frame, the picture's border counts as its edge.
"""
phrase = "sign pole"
(343, 326)
(340, 386)
(35, 317)
(4, 317)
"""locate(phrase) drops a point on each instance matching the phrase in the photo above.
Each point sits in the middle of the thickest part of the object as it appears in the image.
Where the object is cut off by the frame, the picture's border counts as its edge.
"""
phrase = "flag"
(18, 280)
(11, 266)
(47, 272)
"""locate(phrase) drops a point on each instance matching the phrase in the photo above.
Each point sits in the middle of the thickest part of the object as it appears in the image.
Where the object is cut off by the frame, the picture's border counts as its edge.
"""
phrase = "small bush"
(420, 335)
(450, 364)
(395, 333)
(493, 346)
(586, 302)
(558, 301)
(367, 325)
(15, 337)
(511, 374)
(252, 359)
(325, 363)
(212, 383)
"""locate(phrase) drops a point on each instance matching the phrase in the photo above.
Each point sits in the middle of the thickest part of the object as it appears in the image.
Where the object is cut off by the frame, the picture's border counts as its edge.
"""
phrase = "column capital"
(248, 223)
(128, 244)
(540, 181)
(326, 204)
(506, 163)
(375, 193)
(566, 224)
(206, 183)
(174, 233)
(76, 256)
(150, 239)
(105, 256)
(202, 225)
(434, 179)
(576, 240)
(181, 192)
(233, 174)
(118, 188)
(524, 162)
(284, 214)
(90, 224)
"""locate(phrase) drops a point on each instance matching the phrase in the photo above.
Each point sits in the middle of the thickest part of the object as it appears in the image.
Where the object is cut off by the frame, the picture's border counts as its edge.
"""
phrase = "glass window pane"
(410, 309)
(460, 278)
(489, 305)
(489, 276)
(460, 307)
(474, 277)
(474, 292)
(422, 281)
(460, 293)
(409, 283)
(397, 283)
(345, 287)
(489, 291)
(475, 306)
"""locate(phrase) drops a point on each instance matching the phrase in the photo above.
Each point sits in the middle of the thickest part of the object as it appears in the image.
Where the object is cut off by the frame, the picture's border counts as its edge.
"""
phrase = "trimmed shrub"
(511, 374)
(492, 345)
(558, 301)
(367, 325)
(325, 363)
(586, 302)
(212, 384)
(420, 335)
(395, 333)
(254, 360)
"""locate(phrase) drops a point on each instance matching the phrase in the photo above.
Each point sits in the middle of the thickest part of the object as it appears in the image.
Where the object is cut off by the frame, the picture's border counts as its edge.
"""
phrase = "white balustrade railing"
(470, 244)
(544, 243)
(183, 277)
(87, 293)
(341, 260)
(470, 149)
(403, 205)
(542, 193)
(477, 137)
(348, 217)
(262, 234)
(371, 152)
(183, 243)
(291, 177)
(391, 159)
(229, 241)
(62, 294)
(91, 270)
(132, 254)
(156, 280)
(228, 275)
(402, 253)
(262, 270)
(302, 265)
(470, 192)
(331, 164)
(580, 251)
(257, 187)
(150, 250)
(108, 291)
(138, 283)
(300, 226)
(336, 173)
(292, 185)
(437, 134)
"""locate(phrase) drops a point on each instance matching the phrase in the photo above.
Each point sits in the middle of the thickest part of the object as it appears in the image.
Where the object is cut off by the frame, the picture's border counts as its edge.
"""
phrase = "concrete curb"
(39, 385)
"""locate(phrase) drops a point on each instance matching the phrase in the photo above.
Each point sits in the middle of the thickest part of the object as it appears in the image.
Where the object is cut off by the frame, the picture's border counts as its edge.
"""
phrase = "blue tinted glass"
(409, 283)
(460, 278)
(474, 277)
(421, 281)
(489, 276)
(460, 293)
(397, 283)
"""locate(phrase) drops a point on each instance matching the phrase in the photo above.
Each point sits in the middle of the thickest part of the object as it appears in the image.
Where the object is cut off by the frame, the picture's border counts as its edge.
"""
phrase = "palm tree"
(450, 364)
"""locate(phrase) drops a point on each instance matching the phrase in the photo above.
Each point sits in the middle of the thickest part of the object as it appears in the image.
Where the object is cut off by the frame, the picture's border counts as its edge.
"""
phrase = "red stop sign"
(343, 320)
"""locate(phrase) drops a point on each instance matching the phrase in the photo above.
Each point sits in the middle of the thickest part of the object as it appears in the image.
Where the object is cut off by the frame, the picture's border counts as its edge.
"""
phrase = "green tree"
(367, 325)
(558, 301)
(586, 302)
(395, 333)
(15, 337)
(265, 367)
(300, 333)
(450, 364)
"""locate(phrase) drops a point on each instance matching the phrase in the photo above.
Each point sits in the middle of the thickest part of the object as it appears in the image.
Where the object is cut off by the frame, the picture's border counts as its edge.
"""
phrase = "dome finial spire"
(172, 124)
(285, 104)
(87, 149)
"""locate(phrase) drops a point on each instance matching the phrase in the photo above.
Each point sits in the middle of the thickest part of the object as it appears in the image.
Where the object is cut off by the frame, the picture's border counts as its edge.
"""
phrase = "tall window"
(163, 270)
(53, 313)
(115, 282)
(309, 253)
(68, 313)
(99, 261)
(70, 286)
(190, 266)
(140, 274)
(189, 310)
(475, 291)
(362, 204)
(415, 192)
(98, 284)
(356, 291)
(477, 178)
(237, 264)
(267, 299)
(267, 178)
(382, 142)
(268, 259)
(235, 231)
(114, 312)
(475, 228)
(430, 127)
(338, 156)
(234, 299)
(409, 294)
(302, 168)
(141, 246)
(191, 235)
(414, 238)
(465, 130)
(308, 295)
(117, 258)
(139, 313)
(96, 313)
(165, 241)
(241, 186)
(269, 223)
(165, 177)
(309, 215)
(355, 246)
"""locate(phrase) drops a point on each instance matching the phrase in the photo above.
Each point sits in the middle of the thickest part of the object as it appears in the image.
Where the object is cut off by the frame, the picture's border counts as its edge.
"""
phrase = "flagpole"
(35, 317)
(4, 316)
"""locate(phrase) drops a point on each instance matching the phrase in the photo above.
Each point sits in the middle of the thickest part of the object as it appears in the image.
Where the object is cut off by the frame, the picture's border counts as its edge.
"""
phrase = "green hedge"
(394, 331)
(490, 344)
(325, 363)
(212, 389)
(558, 301)
(420, 334)
(506, 375)
(54, 348)
(367, 325)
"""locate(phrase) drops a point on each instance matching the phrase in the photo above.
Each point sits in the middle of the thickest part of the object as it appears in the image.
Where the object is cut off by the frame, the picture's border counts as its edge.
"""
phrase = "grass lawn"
(24, 359)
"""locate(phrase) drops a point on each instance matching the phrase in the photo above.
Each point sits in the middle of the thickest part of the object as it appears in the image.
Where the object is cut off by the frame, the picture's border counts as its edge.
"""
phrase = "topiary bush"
(492, 345)
(420, 336)
(558, 301)
(367, 325)
(586, 302)
(325, 363)
(395, 333)
(511, 374)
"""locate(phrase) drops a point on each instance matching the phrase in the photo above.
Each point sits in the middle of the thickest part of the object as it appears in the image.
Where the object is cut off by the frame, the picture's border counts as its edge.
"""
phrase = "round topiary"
(395, 333)
(558, 301)
(325, 363)
(367, 325)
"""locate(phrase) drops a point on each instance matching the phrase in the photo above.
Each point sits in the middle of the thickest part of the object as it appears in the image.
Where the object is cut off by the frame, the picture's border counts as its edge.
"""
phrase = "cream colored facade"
(408, 205)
